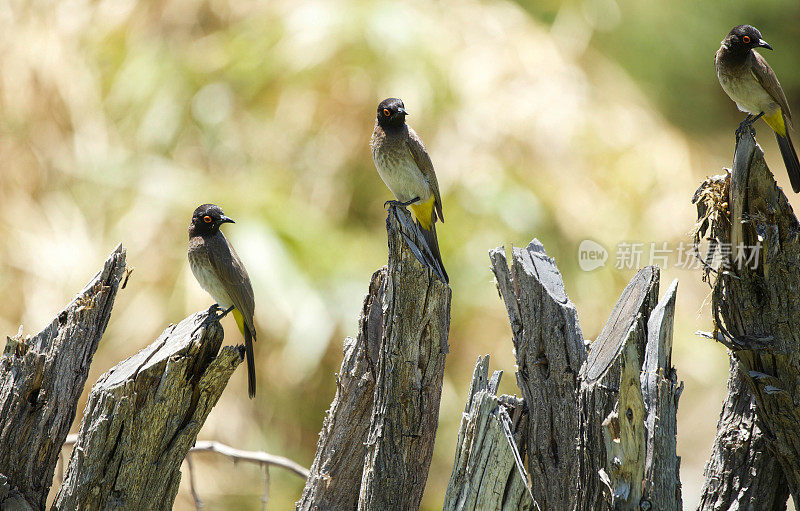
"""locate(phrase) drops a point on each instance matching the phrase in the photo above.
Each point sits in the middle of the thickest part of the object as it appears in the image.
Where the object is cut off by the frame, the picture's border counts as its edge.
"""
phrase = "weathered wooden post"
(390, 381)
(601, 428)
(755, 462)
(41, 380)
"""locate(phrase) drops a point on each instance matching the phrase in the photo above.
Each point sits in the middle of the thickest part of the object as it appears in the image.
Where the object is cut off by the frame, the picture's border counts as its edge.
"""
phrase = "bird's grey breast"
(742, 86)
(204, 272)
(396, 165)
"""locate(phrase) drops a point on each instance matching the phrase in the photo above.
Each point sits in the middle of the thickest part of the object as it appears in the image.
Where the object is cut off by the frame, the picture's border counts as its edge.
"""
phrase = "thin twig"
(258, 457)
(505, 421)
(265, 495)
(198, 504)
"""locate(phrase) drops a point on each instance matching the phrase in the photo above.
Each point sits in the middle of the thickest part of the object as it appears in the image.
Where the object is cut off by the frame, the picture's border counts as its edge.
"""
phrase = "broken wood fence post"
(550, 351)
(335, 477)
(487, 472)
(741, 472)
(141, 417)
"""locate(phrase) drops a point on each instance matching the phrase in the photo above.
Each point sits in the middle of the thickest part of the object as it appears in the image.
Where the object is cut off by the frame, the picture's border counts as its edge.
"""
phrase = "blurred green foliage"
(668, 48)
(563, 121)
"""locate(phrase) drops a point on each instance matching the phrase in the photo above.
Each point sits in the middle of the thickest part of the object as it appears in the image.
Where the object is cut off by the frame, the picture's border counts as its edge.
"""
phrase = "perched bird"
(405, 167)
(749, 81)
(221, 273)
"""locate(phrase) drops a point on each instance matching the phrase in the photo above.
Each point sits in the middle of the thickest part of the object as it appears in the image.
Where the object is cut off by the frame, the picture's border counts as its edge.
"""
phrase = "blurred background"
(565, 121)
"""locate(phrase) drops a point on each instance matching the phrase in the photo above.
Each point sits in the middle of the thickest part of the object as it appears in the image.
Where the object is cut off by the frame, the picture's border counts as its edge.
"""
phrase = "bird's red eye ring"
(386, 112)
(207, 219)
(746, 39)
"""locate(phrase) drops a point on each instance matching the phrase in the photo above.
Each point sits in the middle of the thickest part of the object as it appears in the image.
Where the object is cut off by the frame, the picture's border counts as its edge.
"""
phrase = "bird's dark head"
(743, 38)
(392, 113)
(206, 219)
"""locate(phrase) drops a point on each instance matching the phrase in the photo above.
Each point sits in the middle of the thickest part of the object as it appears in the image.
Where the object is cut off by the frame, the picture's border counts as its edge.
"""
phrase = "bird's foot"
(396, 203)
(214, 314)
(746, 126)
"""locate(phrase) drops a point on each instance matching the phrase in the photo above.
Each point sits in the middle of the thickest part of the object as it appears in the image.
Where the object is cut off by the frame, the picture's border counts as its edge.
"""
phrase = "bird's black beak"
(403, 111)
(763, 44)
(226, 220)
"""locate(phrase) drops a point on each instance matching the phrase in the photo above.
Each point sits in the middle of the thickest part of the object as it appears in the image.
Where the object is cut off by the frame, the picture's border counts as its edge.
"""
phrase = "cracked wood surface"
(661, 486)
(549, 349)
(485, 474)
(611, 439)
(143, 416)
(741, 472)
(41, 380)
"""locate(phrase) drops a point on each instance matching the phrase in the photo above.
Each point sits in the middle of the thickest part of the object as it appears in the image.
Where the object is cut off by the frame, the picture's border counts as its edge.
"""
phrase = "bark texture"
(741, 472)
(550, 351)
(409, 374)
(756, 304)
(143, 416)
(41, 380)
(487, 472)
(602, 426)
(391, 379)
(335, 476)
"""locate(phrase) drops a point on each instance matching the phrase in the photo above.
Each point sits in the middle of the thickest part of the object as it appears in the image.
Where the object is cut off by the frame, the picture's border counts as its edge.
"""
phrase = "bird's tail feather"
(433, 245)
(790, 160)
(249, 338)
(425, 215)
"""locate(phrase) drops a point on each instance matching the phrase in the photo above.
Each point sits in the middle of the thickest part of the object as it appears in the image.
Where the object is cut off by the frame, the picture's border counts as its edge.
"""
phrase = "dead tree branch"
(260, 458)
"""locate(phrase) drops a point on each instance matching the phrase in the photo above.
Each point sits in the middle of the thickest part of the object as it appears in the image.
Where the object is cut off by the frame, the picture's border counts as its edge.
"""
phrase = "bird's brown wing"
(766, 77)
(231, 272)
(425, 165)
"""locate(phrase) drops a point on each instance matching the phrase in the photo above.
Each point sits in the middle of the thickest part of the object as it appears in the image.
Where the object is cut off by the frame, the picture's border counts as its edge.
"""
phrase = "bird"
(406, 168)
(748, 80)
(220, 272)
